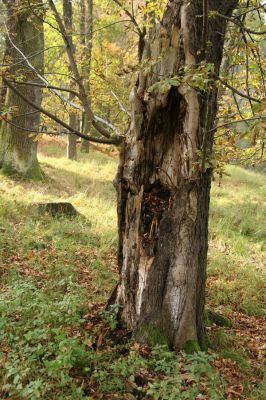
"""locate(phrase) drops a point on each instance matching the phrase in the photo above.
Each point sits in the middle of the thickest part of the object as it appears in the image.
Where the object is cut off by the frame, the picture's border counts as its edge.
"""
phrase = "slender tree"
(86, 30)
(73, 116)
(18, 148)
(165, 174)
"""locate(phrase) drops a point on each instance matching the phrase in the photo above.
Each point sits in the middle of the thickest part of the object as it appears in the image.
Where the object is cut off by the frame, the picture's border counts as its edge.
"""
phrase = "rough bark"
(87, 42)
(18, 148)
(163, 182)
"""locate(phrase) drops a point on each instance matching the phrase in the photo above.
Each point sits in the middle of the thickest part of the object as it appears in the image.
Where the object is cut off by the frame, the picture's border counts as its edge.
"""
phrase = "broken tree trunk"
(164, 176)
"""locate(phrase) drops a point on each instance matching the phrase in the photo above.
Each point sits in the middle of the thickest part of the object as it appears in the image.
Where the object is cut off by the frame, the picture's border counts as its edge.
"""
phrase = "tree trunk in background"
(18, 148)
(3, 61)
(85, 145)
(73, 118)
(3, 90)
(164, 179)
(72, 139)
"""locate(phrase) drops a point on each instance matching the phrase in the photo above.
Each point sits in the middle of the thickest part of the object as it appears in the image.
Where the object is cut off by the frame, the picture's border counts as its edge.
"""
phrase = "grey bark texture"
(73, 117)
(18, 148)
(87, 31)
(163, 182)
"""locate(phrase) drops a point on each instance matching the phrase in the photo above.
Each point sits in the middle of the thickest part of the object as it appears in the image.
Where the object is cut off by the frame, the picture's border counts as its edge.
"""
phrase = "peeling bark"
(163, 191)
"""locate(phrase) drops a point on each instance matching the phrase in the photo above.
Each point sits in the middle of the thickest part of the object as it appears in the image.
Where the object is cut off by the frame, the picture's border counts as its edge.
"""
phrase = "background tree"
(3, 49)
(73, 116)
(18, 148)
(86, 32)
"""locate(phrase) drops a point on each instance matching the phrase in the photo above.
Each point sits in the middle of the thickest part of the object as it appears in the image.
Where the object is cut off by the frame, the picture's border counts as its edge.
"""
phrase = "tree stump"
(62, 209)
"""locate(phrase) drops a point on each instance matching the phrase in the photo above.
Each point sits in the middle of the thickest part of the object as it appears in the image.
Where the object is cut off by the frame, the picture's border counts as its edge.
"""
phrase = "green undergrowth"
(57, 273)
(160, 374)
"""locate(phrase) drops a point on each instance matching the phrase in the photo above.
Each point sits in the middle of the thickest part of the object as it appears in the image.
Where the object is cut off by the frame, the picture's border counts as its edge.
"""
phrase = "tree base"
(35, 173)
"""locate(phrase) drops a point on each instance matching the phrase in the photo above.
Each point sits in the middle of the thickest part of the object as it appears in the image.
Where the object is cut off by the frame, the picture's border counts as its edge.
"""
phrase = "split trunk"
(164, 176)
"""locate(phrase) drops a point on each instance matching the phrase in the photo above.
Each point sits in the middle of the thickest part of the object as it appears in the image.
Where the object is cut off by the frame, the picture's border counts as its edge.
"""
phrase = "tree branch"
(239, 23)
(47, 87)
(241, 94)
(237, 121)
(114, 140)
(99, 119)
(54, 133)
(131, 16)
(253, 9)
(120, 104)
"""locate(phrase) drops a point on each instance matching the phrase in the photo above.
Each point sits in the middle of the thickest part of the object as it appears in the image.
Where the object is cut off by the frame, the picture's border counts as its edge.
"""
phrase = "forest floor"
(56, 340)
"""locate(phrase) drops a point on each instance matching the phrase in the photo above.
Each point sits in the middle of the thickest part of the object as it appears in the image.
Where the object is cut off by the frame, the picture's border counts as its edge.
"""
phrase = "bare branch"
(29, 56)
(237, 22)
(262, 6)
(237, 121)
(55, 133)
(47, 87)
(41, 19)
(256, 53)
(104, 27)
(131, 16)
(238, 108)
(114, 140)
(241, 94)
(120, 104)
(103, 121)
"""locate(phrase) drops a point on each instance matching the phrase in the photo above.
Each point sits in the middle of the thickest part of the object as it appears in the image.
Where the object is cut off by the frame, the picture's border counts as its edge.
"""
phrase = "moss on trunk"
(18, 145)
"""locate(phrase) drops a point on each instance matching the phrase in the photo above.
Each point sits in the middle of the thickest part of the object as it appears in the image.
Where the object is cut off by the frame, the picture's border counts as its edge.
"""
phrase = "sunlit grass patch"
(237, 243)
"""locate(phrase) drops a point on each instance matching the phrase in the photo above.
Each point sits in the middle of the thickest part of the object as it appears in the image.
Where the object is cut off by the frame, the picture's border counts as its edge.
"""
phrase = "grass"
(56, 275)
(238, 242)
